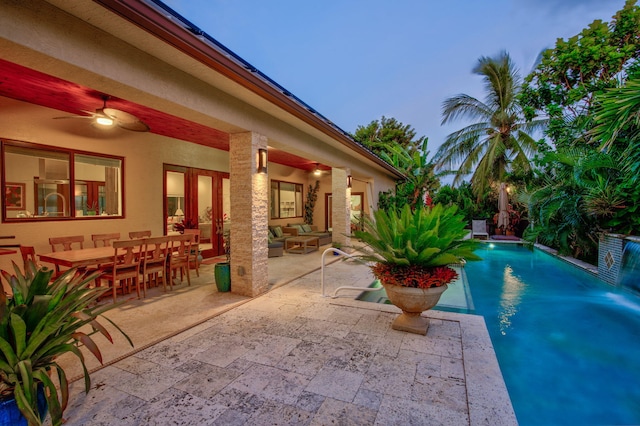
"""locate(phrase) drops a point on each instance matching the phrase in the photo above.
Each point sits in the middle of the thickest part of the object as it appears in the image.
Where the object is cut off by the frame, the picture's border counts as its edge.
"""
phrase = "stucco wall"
(144, 155)
(101, 51)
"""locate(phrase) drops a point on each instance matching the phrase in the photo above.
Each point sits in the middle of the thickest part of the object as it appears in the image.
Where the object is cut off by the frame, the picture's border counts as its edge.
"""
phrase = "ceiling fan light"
(104, 121)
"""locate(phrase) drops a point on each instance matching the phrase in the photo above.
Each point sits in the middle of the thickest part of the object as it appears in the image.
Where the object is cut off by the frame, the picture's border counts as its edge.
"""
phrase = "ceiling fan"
(107, 117)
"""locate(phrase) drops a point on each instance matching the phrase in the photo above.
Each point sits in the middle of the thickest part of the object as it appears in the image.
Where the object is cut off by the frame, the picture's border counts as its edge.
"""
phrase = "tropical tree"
(574, 202)
(396, 143)
(617, 116)
(571, 75)
(419, 181)
(499, 139)
(587, 87)
(463, 197)
(381, 134)
(617, 129)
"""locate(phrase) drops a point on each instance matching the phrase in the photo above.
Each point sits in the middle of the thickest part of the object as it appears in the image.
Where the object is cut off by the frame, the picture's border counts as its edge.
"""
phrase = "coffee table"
(301, 245)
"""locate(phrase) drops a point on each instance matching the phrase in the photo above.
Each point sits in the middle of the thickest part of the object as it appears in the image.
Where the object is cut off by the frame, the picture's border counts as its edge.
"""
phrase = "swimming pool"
(568, 344)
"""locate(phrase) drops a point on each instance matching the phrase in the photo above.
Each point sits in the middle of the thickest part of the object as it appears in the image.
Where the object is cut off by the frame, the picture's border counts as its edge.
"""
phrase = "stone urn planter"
(410, 250)
(413, 302)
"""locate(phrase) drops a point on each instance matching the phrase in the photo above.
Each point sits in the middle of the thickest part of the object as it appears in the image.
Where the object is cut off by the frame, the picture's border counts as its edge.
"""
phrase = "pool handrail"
(346, 287)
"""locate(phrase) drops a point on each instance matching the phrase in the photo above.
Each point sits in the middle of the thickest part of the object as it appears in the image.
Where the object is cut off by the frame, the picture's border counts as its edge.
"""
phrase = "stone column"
(249, 215)
(341, 206)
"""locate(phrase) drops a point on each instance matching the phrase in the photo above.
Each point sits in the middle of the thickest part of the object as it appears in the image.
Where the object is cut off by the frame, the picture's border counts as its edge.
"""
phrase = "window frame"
(71, 153)
(277, 206)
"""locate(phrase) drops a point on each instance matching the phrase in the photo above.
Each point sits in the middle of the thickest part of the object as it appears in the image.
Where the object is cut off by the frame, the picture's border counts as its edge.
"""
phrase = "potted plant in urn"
(39, 322)
(411, 251)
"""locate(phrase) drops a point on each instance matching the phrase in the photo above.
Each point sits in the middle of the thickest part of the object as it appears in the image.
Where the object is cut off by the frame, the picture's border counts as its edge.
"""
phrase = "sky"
(355, 61)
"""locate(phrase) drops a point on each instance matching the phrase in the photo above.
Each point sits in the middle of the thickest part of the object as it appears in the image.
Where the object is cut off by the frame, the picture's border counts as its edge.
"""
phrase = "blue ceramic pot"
(10, 415)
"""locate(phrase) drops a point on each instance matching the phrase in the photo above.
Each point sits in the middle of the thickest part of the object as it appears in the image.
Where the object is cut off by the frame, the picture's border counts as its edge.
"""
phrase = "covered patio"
(208, 112)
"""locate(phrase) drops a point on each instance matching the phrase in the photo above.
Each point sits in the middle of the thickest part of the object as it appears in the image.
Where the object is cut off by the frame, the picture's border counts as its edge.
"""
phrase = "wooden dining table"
(80, 257)
(7, 251)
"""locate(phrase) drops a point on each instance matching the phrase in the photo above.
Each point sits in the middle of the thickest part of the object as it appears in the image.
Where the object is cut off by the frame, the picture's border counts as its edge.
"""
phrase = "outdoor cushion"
(278, 231)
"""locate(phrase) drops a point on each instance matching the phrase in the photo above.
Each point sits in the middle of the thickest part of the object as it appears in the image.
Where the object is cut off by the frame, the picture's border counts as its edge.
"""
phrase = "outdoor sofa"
(304, 230)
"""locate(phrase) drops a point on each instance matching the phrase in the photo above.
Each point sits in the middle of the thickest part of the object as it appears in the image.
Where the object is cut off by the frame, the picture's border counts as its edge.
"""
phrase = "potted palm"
(410, 251)
(39, 322)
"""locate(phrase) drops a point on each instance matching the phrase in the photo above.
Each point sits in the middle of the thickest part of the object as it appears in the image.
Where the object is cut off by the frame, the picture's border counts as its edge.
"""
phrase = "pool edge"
(487, 395)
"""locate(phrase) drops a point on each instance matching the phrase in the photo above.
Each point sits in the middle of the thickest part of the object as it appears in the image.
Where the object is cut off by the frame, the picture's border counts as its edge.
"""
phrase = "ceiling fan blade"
(74, 116)
(126, 120)
(137, 126)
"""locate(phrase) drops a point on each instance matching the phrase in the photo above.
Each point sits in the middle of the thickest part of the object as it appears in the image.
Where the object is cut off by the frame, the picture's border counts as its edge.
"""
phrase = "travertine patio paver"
(292, 357)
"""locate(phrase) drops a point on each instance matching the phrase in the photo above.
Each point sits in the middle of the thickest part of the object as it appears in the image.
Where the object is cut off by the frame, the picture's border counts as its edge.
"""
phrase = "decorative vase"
(413, 301)
(222, 273)
(10, 415)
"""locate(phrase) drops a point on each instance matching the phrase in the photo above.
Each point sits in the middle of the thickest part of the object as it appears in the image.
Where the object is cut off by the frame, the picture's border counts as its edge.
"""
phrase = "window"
(46, 183)
(286, 199)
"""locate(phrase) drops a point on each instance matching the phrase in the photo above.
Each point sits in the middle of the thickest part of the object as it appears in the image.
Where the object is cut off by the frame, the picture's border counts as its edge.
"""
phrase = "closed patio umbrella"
(503, 207)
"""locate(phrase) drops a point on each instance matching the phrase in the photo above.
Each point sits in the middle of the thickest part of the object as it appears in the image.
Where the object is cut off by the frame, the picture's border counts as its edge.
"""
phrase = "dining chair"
(139, 234)
(28, 254)
(65, 244)
(195, 249)
(154, 262)
(104, 240)
(180, 255)
(125, 270)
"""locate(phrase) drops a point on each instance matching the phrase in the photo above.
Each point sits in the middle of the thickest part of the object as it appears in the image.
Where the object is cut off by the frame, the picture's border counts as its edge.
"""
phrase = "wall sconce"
(262, 161)
(349, 181)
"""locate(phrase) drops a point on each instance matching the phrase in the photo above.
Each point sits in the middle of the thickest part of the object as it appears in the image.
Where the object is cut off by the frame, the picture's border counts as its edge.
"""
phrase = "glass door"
(198, 198)
(174, 210)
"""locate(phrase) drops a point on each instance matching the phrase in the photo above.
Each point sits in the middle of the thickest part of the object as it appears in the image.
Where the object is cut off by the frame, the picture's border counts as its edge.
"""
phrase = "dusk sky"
(354, 61)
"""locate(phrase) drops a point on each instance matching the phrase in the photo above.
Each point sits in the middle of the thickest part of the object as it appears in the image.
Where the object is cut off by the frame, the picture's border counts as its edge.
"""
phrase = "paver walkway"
(294, 357)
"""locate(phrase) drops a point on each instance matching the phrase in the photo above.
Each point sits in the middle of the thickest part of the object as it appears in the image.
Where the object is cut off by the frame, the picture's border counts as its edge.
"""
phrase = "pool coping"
(587, 267)
(488, 400)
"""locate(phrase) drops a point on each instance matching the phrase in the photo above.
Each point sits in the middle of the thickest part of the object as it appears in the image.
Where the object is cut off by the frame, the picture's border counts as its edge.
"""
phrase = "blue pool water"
(567, 343)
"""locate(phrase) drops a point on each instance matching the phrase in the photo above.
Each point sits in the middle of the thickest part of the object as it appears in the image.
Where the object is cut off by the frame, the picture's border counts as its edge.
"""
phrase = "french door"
(197, 198)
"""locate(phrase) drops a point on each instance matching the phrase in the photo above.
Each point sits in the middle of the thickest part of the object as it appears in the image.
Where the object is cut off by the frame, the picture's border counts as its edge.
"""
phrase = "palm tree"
(499, 140)
(575, 201)
(618, 112)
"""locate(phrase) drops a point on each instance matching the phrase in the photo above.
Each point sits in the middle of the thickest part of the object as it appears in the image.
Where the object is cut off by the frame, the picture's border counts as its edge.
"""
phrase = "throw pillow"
(278, 231)
(306, 228)
(299, 228)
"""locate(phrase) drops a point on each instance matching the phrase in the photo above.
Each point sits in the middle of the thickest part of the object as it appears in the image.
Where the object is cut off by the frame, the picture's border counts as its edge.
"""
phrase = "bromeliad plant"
(412, 248)
(39, 322)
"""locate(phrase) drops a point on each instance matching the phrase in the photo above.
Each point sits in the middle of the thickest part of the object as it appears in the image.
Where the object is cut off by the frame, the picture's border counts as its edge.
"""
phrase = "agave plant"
(413, 247)
(40, 322)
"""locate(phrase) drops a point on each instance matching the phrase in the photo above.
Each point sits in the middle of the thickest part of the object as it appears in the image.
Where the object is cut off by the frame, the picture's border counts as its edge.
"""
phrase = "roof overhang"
(163, 23)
